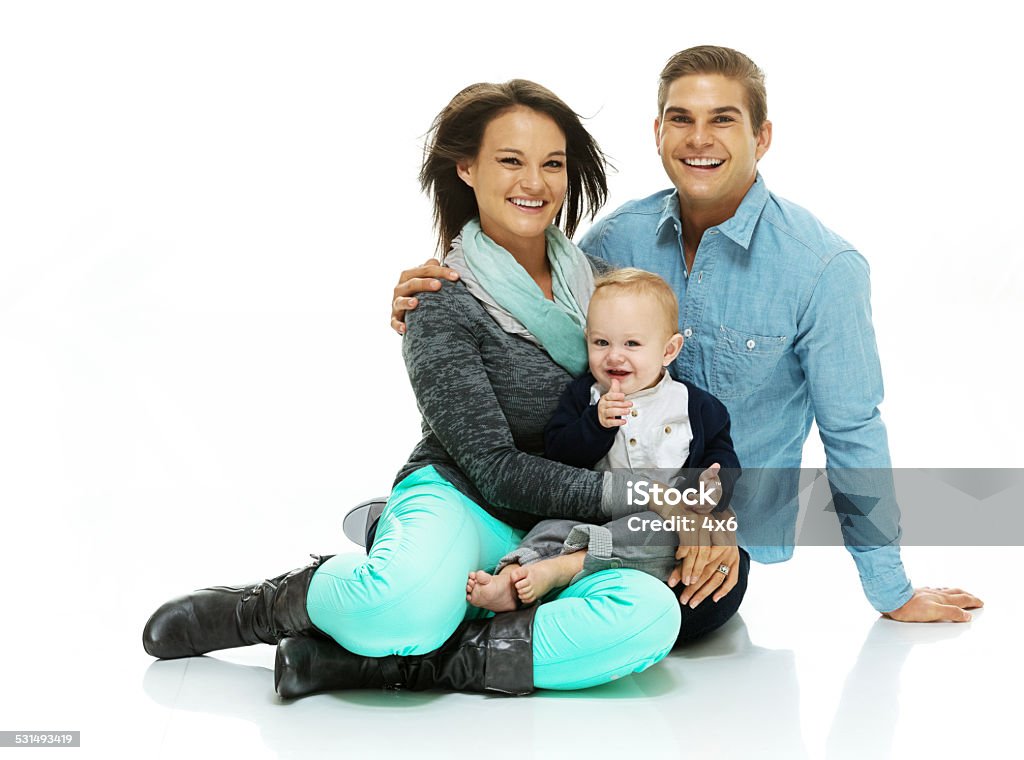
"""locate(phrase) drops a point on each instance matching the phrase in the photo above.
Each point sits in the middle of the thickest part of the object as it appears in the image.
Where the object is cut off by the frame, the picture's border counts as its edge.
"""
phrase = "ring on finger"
(724, 569)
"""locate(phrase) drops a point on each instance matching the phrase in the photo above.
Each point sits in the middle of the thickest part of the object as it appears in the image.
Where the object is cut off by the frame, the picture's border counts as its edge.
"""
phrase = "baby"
(627, 413)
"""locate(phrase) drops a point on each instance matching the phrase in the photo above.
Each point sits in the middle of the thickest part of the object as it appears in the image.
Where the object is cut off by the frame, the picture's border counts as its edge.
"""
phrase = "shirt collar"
(739, 227)
(665, 378)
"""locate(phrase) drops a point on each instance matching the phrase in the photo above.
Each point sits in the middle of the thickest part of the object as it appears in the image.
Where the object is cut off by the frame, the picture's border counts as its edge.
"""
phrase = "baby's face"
(627, 340)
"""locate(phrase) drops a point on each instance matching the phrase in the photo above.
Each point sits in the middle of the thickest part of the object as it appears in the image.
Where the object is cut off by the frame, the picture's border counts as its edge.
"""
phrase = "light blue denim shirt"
(776, 320)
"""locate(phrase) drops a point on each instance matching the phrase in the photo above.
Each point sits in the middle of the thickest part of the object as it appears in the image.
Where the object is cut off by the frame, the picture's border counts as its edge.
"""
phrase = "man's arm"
(836, 346)
(428, 276)
(422, 279)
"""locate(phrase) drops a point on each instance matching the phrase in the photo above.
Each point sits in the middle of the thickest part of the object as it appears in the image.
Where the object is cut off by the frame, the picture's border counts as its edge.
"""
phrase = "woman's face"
(519, 177)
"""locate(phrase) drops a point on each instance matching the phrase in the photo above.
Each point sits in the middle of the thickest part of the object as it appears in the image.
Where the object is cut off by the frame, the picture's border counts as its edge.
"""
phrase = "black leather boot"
(222, 617)
(495, 654)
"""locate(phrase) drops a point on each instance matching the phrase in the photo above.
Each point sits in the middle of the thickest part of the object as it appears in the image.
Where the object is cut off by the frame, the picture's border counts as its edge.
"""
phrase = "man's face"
(707, 143)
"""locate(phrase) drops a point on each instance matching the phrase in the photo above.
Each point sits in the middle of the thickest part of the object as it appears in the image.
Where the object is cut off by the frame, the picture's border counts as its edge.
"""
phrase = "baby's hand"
(712, 486)
(612, 408)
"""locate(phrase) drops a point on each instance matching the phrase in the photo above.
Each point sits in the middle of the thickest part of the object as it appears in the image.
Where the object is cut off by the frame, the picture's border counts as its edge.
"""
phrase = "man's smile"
(703, 163)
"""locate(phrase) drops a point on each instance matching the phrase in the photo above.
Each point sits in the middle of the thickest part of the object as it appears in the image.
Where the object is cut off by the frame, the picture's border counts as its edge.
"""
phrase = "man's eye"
(723, 119)
(680, 119)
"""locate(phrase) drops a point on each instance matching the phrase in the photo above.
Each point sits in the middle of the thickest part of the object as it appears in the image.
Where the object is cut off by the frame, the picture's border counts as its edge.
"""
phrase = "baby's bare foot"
(492, 592)
(540, 577)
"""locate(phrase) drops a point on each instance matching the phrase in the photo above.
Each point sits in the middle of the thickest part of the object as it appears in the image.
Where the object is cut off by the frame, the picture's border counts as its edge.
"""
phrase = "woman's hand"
(704, 550)
(711, 580)
(412, 281)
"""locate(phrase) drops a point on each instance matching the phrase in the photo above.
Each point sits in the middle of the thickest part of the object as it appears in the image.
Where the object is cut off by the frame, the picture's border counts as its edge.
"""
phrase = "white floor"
(821, 678)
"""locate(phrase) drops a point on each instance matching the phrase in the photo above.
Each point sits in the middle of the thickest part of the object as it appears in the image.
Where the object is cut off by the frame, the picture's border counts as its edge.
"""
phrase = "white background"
(204, 206)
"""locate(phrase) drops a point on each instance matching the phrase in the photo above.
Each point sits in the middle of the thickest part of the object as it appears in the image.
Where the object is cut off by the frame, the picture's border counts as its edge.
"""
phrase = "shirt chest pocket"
(743, 361)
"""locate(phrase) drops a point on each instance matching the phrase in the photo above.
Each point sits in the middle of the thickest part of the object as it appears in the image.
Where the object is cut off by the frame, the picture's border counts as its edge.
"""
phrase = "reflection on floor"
(806, 671)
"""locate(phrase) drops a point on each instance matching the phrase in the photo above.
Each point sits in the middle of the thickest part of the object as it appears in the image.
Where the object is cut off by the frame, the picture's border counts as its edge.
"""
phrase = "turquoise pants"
(409, 594)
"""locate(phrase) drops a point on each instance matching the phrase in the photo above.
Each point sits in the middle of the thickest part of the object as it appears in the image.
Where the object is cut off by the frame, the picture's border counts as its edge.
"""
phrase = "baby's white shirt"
(657, 433)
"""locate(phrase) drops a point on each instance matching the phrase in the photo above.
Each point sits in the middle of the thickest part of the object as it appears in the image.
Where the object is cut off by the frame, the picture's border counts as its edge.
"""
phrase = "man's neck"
(698, 219)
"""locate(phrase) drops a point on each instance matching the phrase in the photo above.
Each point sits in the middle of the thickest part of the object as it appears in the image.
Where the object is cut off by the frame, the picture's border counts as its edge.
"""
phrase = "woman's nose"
(531, 180)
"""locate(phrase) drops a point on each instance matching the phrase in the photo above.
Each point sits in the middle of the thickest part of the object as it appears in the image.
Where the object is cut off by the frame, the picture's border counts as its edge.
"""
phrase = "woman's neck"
(532, 255)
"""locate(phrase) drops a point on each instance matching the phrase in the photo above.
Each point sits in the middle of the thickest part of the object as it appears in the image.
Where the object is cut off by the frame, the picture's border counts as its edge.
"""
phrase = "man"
(775, 312)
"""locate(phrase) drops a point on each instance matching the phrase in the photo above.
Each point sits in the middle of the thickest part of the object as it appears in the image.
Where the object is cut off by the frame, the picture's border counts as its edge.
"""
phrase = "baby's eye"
(633, 343)
(600, 342)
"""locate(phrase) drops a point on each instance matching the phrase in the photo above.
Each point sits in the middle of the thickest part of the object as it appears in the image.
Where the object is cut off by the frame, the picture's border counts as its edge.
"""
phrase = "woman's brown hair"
(456, 136)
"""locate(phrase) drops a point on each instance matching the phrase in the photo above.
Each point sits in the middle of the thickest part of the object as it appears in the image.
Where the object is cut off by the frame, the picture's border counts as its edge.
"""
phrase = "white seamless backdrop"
(204, 207)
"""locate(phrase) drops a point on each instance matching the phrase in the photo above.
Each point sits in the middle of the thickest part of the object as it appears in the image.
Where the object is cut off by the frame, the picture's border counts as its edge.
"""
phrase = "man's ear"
(764, 139)
(672, 349)
(465, 172)
(657, 134)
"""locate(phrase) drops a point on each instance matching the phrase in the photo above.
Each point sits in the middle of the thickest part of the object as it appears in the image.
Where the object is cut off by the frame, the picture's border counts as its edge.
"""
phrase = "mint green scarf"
(558, 325)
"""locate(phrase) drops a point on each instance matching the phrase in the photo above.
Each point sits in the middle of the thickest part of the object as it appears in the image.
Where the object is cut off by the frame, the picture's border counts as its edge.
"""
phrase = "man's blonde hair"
(640, 283)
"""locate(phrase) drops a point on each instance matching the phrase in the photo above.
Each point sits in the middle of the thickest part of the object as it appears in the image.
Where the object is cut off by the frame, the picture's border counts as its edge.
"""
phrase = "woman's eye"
(555, 164)
(510, 160)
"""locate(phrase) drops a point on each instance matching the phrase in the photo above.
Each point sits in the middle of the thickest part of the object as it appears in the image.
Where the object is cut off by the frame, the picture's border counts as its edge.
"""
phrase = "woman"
(504, 164)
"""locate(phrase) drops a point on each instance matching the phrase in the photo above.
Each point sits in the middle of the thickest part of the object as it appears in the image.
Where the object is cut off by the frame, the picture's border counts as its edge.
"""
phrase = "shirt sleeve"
(719, 449)
(835, 344)
(716, 446)
(458, 403)
(592, 242)
(573, 434)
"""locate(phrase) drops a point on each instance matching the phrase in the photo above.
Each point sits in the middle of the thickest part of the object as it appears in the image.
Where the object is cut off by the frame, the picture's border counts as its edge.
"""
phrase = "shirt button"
(634, 412)
(687, 333)
(632, 441)
(751, 344)
(668, 429)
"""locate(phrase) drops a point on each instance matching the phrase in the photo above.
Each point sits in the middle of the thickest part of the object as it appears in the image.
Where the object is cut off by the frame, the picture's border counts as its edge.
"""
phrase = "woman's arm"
(458, 402)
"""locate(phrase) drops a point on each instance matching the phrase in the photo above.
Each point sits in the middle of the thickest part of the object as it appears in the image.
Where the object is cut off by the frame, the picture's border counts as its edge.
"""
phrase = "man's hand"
(929, 605)
(412, 281)
(612, 407)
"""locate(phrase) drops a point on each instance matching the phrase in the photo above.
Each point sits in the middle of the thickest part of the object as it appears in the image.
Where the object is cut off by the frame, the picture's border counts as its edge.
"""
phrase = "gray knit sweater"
(485, 397)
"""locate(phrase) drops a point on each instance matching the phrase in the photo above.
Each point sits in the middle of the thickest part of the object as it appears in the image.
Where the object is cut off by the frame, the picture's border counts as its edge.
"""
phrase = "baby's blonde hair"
(645, 284)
